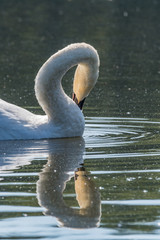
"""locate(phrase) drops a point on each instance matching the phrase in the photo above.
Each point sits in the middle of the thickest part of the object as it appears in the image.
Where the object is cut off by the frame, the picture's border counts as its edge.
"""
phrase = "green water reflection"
(125, 33)
(127, 180)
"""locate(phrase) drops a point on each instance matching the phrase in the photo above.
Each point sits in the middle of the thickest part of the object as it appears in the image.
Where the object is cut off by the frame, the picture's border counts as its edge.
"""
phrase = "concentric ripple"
(122, 157)
(110, 132)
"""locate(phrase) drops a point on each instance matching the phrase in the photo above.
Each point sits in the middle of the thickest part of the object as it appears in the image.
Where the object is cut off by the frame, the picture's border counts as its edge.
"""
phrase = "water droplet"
(125, 14)
(119, 224)
(25, 214)
(145, 191)
(130, 179)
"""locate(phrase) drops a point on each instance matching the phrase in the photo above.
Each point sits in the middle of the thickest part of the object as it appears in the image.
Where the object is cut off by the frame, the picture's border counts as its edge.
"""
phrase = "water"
(104, 185)
(120, 162)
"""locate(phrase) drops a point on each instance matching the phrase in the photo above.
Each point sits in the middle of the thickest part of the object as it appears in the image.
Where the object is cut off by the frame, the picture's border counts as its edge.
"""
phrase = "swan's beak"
(80, 104)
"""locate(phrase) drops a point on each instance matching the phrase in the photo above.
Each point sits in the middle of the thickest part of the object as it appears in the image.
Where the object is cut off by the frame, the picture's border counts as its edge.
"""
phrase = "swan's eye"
(80, 104)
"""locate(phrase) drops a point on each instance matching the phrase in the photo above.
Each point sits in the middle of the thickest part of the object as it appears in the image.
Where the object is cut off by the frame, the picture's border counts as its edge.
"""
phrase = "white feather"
(63, 117)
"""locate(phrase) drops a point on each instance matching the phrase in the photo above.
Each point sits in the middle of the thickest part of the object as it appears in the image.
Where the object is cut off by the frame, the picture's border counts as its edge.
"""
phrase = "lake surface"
(105, 185)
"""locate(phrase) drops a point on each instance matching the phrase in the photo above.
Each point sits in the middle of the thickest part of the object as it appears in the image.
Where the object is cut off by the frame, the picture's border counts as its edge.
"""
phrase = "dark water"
(105, 185)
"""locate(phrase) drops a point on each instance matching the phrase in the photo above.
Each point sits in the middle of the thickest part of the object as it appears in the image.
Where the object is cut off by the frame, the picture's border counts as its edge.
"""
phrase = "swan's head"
(85, 78)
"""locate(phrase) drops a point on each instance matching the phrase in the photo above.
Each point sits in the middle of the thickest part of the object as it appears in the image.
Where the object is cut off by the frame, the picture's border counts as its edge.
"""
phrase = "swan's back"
(18, 123)
(15, 122)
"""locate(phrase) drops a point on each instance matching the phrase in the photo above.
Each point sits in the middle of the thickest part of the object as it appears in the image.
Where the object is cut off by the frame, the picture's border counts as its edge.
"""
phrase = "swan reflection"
(52, 182)
(64, 161)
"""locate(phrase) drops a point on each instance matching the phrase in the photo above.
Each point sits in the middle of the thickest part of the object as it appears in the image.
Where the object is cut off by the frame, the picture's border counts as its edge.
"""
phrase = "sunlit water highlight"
(120, 158)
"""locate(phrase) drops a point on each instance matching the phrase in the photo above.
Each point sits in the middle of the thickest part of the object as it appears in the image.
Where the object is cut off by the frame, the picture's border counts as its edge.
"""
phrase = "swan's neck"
(48, 88)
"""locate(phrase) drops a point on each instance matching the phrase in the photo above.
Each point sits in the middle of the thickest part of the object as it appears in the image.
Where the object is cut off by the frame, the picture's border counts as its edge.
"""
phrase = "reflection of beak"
(80, 104)
(87, 193)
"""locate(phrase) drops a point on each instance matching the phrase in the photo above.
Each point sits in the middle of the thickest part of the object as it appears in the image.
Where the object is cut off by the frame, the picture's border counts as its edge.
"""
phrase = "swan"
(64, 117)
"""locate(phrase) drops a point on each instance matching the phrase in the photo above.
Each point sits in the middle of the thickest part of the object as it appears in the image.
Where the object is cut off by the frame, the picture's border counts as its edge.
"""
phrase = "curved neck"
(48, 88)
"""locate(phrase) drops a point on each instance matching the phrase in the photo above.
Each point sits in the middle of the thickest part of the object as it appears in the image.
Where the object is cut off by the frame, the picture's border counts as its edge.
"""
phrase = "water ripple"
(8, 208)
(122, 156)
(136, 202)
(110, 132)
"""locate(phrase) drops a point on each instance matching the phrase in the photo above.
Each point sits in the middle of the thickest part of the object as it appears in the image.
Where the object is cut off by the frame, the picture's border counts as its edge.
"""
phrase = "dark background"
(125, 33)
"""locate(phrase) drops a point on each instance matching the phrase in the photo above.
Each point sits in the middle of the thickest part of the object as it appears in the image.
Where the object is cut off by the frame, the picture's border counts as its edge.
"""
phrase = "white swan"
(63, 117)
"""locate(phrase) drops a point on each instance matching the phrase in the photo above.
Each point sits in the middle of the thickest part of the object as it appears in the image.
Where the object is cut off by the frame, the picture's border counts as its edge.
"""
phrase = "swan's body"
(63, 117)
